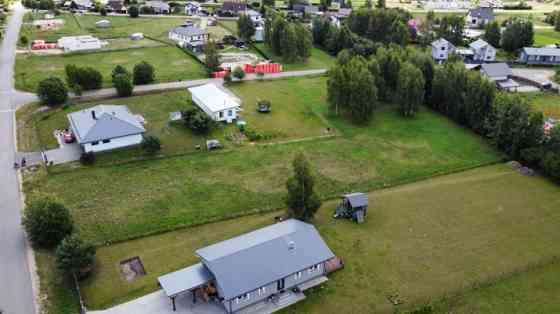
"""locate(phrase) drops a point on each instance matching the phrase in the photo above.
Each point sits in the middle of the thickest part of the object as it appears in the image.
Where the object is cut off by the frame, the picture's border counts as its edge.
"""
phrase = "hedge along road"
(16, 293)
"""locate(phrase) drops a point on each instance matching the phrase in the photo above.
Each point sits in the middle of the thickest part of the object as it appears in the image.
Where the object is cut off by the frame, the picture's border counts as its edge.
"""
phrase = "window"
(243, 298)
(230, 113)
(94, 143)
(221, 114)
(441, 56)
(106, 141)
(262, 291)
(443, 48)
(297, 275)
(313, 268)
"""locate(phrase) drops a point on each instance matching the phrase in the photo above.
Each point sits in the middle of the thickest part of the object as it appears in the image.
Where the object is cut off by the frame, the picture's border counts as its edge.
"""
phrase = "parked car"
(240, 44)
(213, 144)
(229, 39)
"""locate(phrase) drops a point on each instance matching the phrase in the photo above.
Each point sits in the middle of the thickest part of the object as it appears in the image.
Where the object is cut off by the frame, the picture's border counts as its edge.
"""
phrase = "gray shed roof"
(483, 13)
(185, 279)
(442, 42)
(110, 122)
(496, 69)
(252, 260)
(189, 31)
(541, 51)
(357, 199)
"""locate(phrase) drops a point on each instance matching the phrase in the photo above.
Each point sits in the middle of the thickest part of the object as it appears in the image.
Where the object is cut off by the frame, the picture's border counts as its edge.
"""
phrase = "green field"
(171, 64)
(70, 28)
(420, 241)
(546, 37)
(118, 202)
(548, 103)
(319, 60)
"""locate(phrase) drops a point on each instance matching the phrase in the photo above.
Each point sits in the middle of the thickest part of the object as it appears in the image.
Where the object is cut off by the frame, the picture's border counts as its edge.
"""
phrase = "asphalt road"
(16, 296)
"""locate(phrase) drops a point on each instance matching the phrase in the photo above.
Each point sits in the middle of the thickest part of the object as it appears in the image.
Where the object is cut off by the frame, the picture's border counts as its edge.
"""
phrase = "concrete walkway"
(159, 303)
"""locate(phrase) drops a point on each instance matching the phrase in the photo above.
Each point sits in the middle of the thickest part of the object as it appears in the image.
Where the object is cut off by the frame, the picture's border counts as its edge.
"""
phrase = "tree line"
(290, 40)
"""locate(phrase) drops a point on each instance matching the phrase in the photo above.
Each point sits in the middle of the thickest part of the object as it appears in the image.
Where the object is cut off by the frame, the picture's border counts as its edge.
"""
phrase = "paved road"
(16, 296)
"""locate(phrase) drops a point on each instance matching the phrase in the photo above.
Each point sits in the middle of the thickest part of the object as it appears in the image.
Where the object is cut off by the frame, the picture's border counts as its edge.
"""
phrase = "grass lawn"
(319, 60)
(70, 28)
(548, 103)
(171, 64)
(535, 291)
(119, 202)
(546, 37)
(420, 241)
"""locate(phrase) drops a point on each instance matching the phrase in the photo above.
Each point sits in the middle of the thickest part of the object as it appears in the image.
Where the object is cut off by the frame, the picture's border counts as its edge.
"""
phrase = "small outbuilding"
(501, 74)
(353, 205)
(137, 36)
(103, 24)
(216, 103)
(79, 43)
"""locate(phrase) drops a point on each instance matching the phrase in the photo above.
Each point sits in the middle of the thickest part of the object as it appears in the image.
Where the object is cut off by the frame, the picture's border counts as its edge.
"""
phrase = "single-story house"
(116, 6)
(216, 103)
(103, 24)
(482, 51)
(159, 7)
(544, 56)
(106, 127)
(480, 16)
(442, 49)
(255, 16)
(191, 37)
(234, 6)
(499, 73)
(81, 4)
(192, 8)
(79, 43)
(257, 272)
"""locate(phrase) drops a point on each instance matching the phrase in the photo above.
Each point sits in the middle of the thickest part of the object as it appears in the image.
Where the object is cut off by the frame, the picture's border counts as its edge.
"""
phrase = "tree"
(119, 69)
(400, 33)
(133, 11)
(519, 33)
(211, 56)
(492, 34)
(451, 27)
(144, 73)
(302, 201)
(47, 222)
(103, 11)
(425, 63)
(325, 5)
(304, 41)
(197, 120)
(245, 26)
(369, 4)
(238, 73)
(23, 40)
(51, 91)
(268, 3)
(380, 4)
(83, 78)
(151, 144)
(73, 255)
(123, 84)
(410, 89)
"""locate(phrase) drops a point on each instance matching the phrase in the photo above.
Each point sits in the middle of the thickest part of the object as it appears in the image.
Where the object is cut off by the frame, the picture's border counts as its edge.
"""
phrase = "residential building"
(442, 49)
(234, 6)
(482, 51)
(479, 17)
(192, 8)
(258, 272)
(81, 4)
(543, 56)
(116, 6)
(190, 37)
(106, 127)
(216, 103)
(159, 7)
(499, 73)
(79, 43)
(255, 16)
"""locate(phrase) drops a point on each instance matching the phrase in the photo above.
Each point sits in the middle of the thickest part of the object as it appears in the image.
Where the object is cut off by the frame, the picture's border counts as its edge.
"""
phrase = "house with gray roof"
(189, 36)
(482, 51)
(258, 272)
(106, 127)
(543, 56)
(478, 17)
(442, 49)
(159, 7)
(501, 74)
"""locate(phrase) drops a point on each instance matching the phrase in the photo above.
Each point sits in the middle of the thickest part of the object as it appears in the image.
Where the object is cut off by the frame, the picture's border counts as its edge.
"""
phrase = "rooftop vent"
(291, 246)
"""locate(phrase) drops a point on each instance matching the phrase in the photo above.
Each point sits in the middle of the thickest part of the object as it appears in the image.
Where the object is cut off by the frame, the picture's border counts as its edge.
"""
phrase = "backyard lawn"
(546, 37)
(548, 103)
(319, 60)
(420, 241)
(176, 65)
(70, 28)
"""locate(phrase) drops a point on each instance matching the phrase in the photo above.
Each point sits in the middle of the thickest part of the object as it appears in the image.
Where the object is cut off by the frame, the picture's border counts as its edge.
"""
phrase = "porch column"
(194, 296)
(173, 301)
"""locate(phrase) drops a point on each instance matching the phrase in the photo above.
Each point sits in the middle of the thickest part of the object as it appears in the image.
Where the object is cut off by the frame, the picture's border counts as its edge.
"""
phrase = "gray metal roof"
(357, 199)
(185, 279)
(478, 44)
(252, 260)
(442, 42)
(483, 13)
(110, 122)
(189, 31)
(496, 69)
(157, 4)
(541, 51)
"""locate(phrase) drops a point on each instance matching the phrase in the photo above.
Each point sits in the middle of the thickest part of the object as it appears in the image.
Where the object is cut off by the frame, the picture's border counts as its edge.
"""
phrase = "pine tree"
(410, 89)
(302, 201)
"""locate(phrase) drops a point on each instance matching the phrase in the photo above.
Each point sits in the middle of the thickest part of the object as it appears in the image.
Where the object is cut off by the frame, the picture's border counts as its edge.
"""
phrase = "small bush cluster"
(198, 121)
(52, 91)
(82, 78)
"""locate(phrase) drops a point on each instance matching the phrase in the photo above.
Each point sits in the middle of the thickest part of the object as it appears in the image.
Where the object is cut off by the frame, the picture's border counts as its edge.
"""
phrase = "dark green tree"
(47, 222)
(197, 120)
(74, 256)
(410, 89)
(380, 4)
(519, 33)
(245, 27)
(493, 34)
(302, 201)
(238, 73)
(151, 144)
(52, 91)
(133, 11)
(144, 73)
(123, 84)
(451, 27)
(211, 56)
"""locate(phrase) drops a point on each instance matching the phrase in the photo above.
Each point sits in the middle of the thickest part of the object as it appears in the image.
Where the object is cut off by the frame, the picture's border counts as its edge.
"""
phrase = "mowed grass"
(319, 60)
(545, 37)
(70, 28)
(534, 291)
(548, 103)
(420, 241)
(118, 202)
(171, 64)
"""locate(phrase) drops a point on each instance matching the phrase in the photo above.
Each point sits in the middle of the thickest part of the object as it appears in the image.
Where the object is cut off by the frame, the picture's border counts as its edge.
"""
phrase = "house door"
(281, 284)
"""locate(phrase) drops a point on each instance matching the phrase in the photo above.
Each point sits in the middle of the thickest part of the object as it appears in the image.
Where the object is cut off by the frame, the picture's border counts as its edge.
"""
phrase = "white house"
(217, 104)
(106, 127)
(479, 17)
(482, 51)
(501, 74)
(79, 43)
(442, 49)
(192, 8)
(255, 16)
(189, 35)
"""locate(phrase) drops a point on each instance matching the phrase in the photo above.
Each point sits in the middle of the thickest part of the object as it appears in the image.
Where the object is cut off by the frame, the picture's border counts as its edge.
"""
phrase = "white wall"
(114, 143)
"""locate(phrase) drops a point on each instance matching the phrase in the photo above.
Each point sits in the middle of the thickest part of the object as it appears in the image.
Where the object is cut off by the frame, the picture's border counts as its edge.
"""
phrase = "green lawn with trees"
(436, 243)
(175, 66)
(548, 103)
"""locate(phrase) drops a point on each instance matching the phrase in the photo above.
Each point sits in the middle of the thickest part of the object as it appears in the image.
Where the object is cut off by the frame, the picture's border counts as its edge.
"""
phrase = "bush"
(551, 165)
(47, 222)
(197, 120)
(23, 40)
(119, 69)
(227, 78)
(151, 144)
(51, 91)
(87, 78)
(103, 11)
(133, 11)
(123, 84)
(238, 73)
(74, 256)
(144, 73)
(87, 159)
